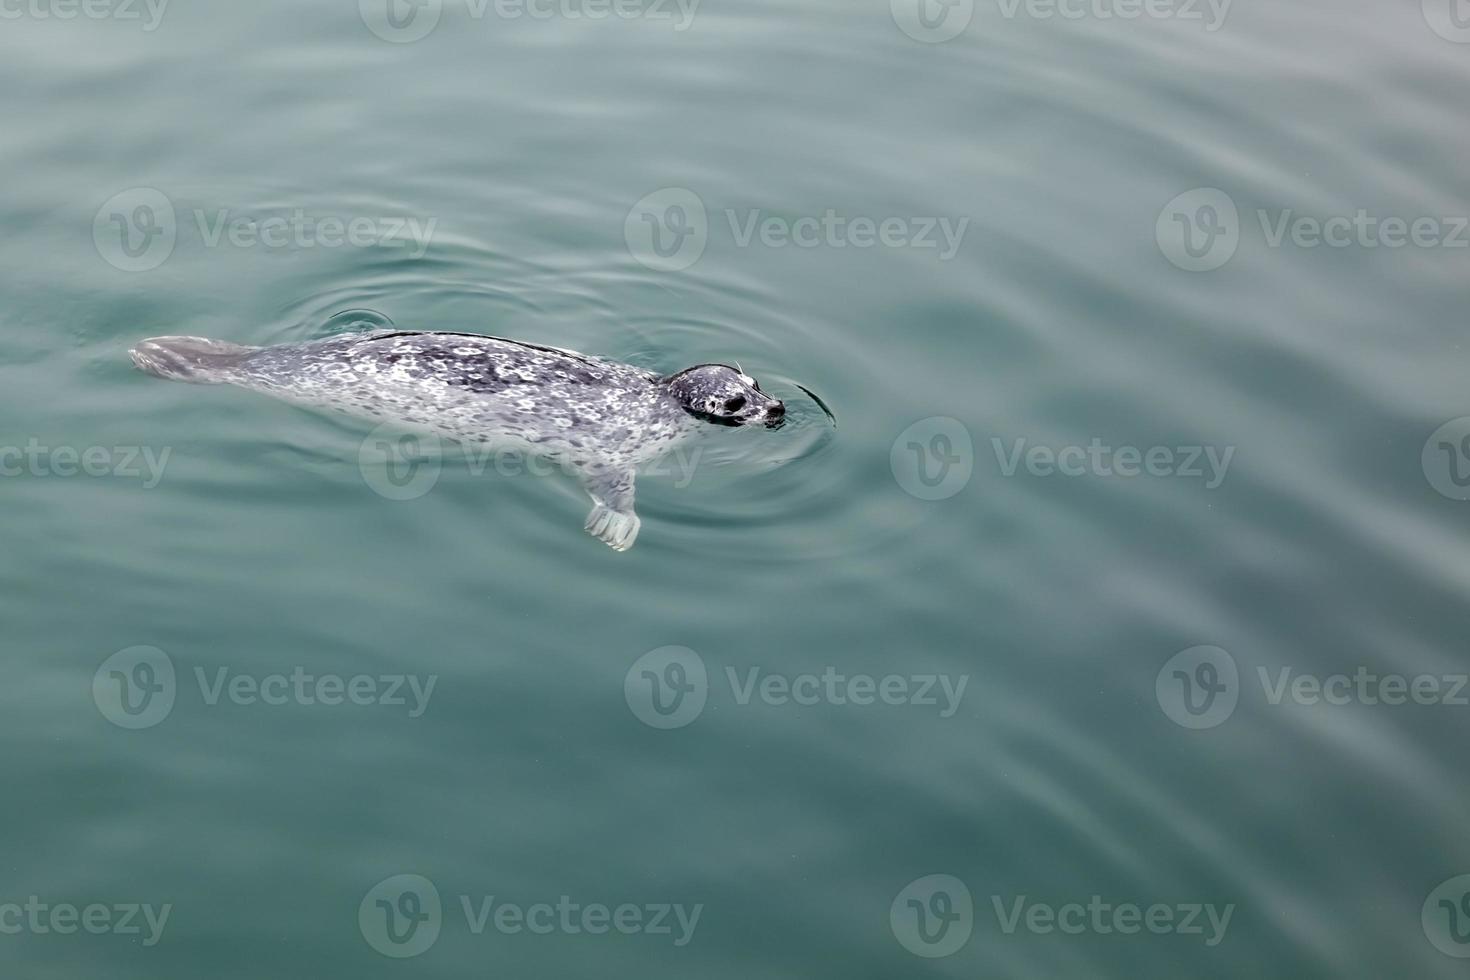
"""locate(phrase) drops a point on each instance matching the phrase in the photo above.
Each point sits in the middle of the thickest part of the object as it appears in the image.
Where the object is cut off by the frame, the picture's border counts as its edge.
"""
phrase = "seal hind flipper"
(196, 360)
(612, 520)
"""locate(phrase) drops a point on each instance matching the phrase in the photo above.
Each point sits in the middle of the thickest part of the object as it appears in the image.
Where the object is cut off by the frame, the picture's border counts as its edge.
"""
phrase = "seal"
(600, 419)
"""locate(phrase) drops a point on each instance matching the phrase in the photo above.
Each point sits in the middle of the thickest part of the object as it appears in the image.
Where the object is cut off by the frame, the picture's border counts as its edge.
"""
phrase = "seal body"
(600, 419)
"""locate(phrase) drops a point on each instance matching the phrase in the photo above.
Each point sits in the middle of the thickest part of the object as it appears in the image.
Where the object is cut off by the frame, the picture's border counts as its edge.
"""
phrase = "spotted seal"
(601, 419)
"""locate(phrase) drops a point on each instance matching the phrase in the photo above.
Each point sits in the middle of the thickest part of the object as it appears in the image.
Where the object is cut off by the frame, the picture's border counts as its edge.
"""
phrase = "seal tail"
(193, 359)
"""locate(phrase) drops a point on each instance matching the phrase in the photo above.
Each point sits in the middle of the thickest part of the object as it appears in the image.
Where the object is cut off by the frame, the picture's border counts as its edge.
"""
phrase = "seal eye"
(735, 404)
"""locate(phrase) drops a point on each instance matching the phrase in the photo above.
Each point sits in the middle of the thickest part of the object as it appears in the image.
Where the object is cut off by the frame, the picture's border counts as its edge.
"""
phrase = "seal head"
(724, 395)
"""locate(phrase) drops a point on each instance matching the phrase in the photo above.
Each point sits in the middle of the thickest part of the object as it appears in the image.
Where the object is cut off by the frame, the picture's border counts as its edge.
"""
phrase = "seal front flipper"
(612, 520)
